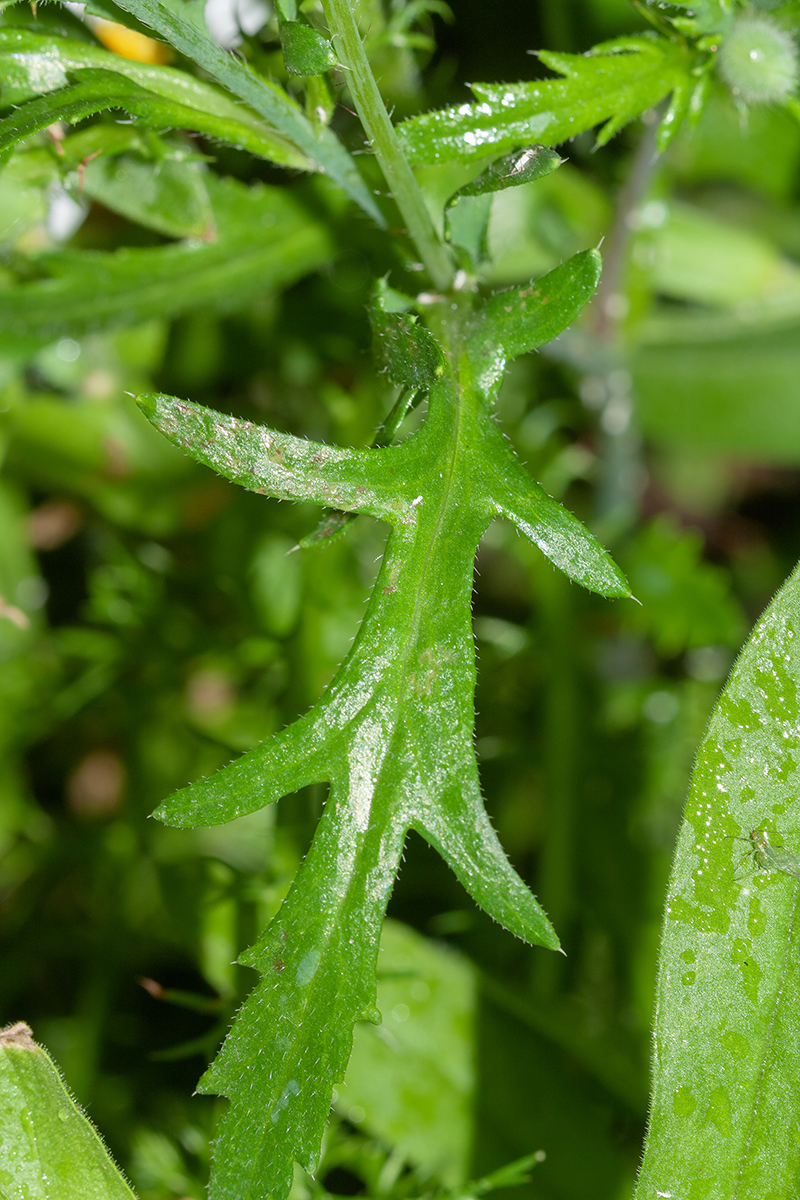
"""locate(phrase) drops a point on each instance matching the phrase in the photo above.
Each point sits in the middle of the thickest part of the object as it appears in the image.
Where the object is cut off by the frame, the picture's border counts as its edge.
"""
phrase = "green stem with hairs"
(382, 136)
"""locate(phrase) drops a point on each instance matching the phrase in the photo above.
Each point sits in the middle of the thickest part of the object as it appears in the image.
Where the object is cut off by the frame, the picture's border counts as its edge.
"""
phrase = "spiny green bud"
(758, 60)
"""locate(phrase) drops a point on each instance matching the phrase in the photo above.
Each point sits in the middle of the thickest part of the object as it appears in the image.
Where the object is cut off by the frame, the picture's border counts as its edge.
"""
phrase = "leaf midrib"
(332, 926)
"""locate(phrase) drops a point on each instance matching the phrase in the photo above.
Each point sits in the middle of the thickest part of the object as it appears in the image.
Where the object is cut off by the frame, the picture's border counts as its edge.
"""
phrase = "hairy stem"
(380, 131)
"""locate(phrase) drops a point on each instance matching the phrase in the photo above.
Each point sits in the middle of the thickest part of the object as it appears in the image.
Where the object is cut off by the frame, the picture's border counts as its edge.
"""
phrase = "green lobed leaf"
(611, 85)
(392, 734)
(32, 64)
(49, 1149)
(724, 1119)
(264, 240)
(182, 25)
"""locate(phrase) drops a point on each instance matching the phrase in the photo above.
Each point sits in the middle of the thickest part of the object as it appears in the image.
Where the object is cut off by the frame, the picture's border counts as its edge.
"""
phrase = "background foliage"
(153, 624)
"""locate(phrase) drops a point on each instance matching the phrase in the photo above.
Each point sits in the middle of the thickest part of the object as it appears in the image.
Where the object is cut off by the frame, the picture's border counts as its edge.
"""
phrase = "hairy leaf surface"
(724, 1122)
(49, 1148)
(393, 733)
(610, 86)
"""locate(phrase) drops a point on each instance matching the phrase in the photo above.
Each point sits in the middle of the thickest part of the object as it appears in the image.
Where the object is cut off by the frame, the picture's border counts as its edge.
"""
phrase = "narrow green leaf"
(521, 166)
(99, 90)
(724, 1108)
(305, 51)
(520, 319)
(613, 84)
(48, 1147)
(559, 535)
(162, 96)
(458, 827)
(264, 239)
(181, 24)
(285, 763)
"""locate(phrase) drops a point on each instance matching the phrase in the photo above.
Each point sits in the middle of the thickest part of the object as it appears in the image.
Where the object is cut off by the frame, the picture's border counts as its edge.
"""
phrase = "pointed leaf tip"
(148, 403)
(521, 319)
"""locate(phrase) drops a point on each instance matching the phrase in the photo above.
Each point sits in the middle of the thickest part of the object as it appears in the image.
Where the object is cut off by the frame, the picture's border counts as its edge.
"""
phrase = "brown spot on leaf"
(19, 1035)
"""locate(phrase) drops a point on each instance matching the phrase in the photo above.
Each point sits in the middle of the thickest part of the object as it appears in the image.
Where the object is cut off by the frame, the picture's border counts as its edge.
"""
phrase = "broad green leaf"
(425, 1049)
(392, 734)
(49, 1150)
(611, 86)
(724, 1110)
(264, 240)
(32, 64)
(182, 25)
(305, 52)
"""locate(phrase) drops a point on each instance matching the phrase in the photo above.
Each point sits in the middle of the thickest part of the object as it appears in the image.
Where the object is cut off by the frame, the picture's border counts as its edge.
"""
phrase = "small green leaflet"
(305, 52)
(610, 86)
(706, 16)
(169, 196)
(521, 166)
(727, 1035)
(393, 733)
(49, 1149)
(34, 64)
(468, 210)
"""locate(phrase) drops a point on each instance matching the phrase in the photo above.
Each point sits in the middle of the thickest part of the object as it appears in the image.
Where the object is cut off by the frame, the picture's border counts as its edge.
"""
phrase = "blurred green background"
(153, 624)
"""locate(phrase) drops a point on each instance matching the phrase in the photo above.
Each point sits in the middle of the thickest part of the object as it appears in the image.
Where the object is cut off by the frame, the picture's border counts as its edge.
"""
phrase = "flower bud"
(758, 60)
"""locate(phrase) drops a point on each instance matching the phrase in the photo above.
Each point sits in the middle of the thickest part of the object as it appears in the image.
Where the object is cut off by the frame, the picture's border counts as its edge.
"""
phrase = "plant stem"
(605, 320)
(380, 131)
